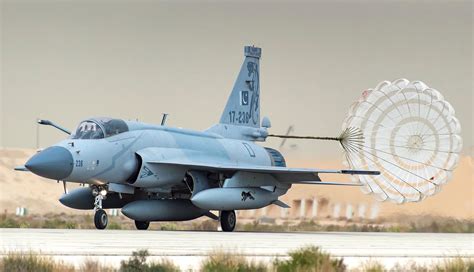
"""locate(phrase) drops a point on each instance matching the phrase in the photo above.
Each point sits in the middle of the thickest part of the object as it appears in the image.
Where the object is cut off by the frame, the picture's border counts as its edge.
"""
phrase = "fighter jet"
(162, 173)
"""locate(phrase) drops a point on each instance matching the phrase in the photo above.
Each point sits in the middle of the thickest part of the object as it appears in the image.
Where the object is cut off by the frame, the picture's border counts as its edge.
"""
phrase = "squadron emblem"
(247, 195)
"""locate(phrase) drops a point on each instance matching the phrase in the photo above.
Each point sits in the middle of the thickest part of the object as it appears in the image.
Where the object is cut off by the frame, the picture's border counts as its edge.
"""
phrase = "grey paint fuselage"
(112, 159)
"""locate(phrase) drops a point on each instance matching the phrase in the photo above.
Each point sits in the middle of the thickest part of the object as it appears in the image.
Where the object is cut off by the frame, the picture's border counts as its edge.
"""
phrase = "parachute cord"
(304, 137)
(351, 139)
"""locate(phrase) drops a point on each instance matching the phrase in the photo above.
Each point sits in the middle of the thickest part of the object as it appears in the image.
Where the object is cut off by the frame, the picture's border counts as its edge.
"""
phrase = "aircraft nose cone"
(54, 163)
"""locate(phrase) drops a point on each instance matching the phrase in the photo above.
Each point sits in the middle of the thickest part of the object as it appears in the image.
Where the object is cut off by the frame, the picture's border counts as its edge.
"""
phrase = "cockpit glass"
(88, 130)
(114, 126)
(98, 128)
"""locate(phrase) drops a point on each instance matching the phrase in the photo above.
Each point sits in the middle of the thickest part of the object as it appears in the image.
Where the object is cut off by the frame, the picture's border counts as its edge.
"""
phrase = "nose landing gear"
(100, 217)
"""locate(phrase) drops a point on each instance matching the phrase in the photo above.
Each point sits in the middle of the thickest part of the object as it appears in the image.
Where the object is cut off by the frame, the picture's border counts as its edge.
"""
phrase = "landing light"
(103, 192)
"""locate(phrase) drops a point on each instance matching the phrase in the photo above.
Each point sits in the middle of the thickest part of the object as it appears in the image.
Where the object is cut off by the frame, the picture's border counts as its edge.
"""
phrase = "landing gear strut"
(100, 217)
(228, 220)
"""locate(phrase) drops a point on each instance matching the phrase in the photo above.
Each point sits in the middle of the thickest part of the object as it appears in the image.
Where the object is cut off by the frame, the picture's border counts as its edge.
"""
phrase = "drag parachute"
(409, 133)
(405, 130)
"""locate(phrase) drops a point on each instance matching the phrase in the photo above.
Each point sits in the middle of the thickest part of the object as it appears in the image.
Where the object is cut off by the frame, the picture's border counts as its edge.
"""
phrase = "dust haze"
(69, 60)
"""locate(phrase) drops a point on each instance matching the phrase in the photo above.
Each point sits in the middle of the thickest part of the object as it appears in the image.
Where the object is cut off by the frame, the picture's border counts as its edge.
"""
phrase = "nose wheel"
(100, 219)
(228, 220)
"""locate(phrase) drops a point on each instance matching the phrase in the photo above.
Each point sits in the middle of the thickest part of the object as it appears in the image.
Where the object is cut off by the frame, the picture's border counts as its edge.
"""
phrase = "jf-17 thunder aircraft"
(161, 173)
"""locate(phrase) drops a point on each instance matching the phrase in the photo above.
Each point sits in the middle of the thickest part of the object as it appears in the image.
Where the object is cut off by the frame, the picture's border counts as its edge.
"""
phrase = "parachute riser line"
(351, 139)
(304, 137)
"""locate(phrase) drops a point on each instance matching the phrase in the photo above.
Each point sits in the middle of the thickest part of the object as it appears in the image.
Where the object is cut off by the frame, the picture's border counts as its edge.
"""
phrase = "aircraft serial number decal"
(79, 163)
(240, 117)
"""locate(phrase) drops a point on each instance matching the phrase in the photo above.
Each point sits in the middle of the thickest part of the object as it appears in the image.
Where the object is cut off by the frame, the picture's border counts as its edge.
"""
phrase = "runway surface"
(188, 248)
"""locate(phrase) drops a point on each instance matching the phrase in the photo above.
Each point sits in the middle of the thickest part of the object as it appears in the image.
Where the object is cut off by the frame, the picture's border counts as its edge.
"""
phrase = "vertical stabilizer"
(241, 116)
(243, 105)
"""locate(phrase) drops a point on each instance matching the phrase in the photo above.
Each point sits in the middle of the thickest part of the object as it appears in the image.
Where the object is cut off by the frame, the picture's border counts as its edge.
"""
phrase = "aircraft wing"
(283, 174)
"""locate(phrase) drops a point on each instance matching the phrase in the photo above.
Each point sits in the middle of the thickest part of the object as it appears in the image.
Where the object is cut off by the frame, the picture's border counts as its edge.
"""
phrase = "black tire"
(142, 225)
(100, 219)
(228, 220)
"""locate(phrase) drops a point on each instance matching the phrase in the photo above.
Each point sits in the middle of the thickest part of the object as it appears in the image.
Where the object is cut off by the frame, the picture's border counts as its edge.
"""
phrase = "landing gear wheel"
(228, 220)
(100, 219)
(142, 225)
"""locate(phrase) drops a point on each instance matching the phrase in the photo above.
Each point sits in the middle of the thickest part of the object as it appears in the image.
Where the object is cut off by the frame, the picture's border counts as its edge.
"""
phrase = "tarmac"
(189, 248)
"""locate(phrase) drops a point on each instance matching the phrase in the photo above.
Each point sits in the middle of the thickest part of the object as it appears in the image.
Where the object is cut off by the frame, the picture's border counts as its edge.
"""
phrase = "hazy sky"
(68, 60)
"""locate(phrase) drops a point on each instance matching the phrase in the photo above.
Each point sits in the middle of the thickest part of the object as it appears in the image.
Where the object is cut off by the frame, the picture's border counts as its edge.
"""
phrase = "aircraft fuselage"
(114, 160)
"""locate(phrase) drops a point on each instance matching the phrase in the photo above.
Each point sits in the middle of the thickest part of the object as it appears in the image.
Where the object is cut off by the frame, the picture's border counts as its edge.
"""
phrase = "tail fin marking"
(243, 105)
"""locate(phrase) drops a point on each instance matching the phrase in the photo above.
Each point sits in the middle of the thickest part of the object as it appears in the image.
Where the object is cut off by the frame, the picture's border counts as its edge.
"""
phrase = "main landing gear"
(100, 217)
(228, 220)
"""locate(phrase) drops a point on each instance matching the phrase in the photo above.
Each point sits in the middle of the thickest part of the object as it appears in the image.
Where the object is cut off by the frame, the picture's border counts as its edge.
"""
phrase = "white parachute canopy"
(409, 133)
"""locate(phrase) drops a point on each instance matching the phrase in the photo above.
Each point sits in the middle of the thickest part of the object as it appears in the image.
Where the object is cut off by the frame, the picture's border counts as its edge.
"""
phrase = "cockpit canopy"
(98, 128)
